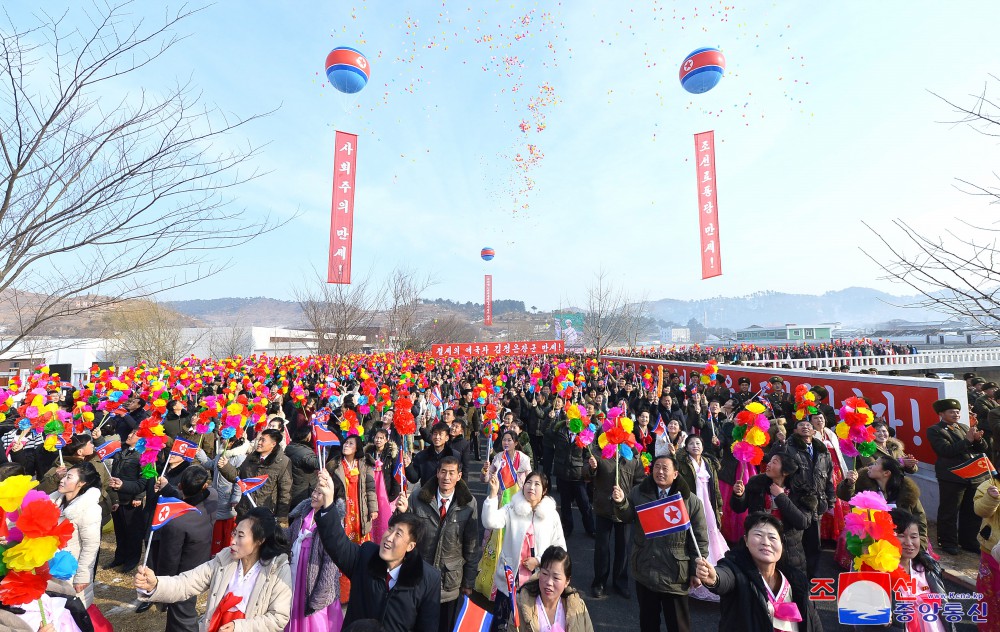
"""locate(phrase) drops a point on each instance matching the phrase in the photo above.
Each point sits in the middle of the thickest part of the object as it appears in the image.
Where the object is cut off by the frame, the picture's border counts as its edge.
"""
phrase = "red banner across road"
(488, 300)
(342, 211)
(485, 349)
(906, 403)
(708, 205)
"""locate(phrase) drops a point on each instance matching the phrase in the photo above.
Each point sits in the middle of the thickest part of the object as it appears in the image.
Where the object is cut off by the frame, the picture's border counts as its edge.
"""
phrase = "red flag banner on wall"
(708, 206)
(485, 349)
(488, 301)
(342, 213)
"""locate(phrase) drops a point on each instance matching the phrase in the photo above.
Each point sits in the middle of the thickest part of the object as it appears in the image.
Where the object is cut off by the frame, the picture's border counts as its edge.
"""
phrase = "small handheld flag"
(506, 475)
(664, 516)
(512, 593)
(184, 449)
(250, 485)
(325, 438)
(167, 509)
(472, 618)
(974, 467)
(398, 474)
(660, 427)
(108, 450)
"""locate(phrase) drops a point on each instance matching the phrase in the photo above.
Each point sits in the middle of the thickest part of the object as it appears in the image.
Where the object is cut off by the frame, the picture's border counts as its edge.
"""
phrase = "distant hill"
(853, 306)
(258, 311)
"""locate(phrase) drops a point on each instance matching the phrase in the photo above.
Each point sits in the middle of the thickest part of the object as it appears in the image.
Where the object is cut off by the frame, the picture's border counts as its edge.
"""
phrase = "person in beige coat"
(550, 596)
(254, 570)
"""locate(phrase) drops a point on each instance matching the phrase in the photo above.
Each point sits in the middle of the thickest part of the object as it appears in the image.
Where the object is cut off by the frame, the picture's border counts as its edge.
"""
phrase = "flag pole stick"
(149, 543)
(695, 540)
(105, 464)
(254, 503)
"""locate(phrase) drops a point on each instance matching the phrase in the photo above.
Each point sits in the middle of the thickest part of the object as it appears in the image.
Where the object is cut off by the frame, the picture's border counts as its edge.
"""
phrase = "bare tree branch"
(103, 200)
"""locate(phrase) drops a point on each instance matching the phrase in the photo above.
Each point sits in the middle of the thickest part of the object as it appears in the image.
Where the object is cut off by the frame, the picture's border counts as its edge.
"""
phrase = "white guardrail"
(936, 359)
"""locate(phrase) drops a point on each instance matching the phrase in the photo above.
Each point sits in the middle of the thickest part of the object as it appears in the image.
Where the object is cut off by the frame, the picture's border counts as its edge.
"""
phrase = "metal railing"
(936, 359)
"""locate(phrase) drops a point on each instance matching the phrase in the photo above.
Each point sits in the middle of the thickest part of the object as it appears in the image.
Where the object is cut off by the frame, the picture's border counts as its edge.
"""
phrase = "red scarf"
(224, 612)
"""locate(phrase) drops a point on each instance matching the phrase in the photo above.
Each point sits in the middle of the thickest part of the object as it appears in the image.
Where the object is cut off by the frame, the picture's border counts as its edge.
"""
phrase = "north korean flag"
(184, 449)
(974, 467)
(506, 475)
(472, 618)
(398, 474)
(325, 438)
(512, 593)
(167, 509)
(665, 516)
(108, 450)
(250, 485)
(660, 427)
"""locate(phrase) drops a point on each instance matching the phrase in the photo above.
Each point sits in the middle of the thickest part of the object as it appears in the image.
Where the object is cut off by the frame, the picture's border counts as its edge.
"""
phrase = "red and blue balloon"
(347, 69)
(487, 254)
(702, 70)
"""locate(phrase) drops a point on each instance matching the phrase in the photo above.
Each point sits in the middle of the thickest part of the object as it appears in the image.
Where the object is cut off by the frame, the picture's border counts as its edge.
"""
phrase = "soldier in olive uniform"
(744, 395)
(986, 402)
(781, 402)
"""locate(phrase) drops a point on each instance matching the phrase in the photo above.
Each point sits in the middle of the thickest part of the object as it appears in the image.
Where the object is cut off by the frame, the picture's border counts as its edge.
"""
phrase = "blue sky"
(824, 119)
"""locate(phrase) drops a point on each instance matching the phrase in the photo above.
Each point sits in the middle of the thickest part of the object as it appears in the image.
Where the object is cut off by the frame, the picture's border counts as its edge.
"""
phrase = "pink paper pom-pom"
(868, 500)
(847, 447)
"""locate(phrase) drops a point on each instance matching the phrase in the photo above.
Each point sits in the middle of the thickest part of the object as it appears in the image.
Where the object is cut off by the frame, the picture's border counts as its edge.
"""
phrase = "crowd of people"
(338, 495)
(749, 352)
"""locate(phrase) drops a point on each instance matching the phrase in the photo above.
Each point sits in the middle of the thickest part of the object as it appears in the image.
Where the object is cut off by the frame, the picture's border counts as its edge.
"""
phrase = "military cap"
(744, 380)
(942, 405)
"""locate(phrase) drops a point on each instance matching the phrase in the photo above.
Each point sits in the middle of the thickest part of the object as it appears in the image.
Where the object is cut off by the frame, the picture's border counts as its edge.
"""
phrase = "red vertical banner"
(488, 301)
(342, 212)
(708, 205)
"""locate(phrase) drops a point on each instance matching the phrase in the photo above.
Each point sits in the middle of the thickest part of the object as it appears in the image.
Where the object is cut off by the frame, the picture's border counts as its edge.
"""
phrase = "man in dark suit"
(186, 542)
(955, 444)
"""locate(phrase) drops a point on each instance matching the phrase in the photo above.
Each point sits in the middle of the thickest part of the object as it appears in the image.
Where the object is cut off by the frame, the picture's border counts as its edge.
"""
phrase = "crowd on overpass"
(746, 352)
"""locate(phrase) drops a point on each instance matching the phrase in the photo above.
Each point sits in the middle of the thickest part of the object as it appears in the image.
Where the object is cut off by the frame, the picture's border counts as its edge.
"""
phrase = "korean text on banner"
(487, 349)
(342, 212)
(488, 300)
(708, 205)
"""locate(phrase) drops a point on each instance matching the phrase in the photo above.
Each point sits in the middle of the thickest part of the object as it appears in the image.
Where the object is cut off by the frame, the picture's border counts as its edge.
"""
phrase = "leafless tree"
(106, 198)
(607, 307)
(145, 331)
(441, 330)
(402, 307)
(229, 342)
(340, 315)
(955, 274)
(635, 315)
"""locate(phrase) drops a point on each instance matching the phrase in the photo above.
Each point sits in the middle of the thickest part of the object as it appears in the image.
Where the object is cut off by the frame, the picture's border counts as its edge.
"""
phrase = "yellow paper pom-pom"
(626, 423)
(602, 440)
(809, 396)
(755, 436)
(50, 443)
(31, 553)
(882, 556)
(800, 415)
(755, 407)
(13, 490)
(869, 415)
(843, 430)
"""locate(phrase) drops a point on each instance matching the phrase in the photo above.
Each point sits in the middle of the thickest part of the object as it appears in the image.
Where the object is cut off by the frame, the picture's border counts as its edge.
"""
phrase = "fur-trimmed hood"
(411, 571)
(800, 444)
(803, 497)
(462, 495)
(545, 510)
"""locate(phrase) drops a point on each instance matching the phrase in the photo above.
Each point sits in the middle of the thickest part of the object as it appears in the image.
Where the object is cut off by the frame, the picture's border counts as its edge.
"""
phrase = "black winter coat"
(414, 603)
(452, 546)
(186, 541)
(744, 598)
(570, 462)
(797, 508)
(305, 470)
(125, 465)
(952, 449)
(423, 467)
(816, 472)
(389, 456)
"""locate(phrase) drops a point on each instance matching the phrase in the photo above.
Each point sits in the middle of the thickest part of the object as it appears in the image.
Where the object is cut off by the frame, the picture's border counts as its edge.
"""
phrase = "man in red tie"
(450, 541)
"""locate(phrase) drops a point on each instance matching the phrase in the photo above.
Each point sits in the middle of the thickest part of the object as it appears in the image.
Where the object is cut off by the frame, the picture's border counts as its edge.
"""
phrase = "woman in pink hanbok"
(382, 455)
(701, 473)
(316, 579)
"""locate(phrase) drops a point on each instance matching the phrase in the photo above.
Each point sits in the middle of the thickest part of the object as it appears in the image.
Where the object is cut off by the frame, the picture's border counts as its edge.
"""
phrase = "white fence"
(929, 360)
